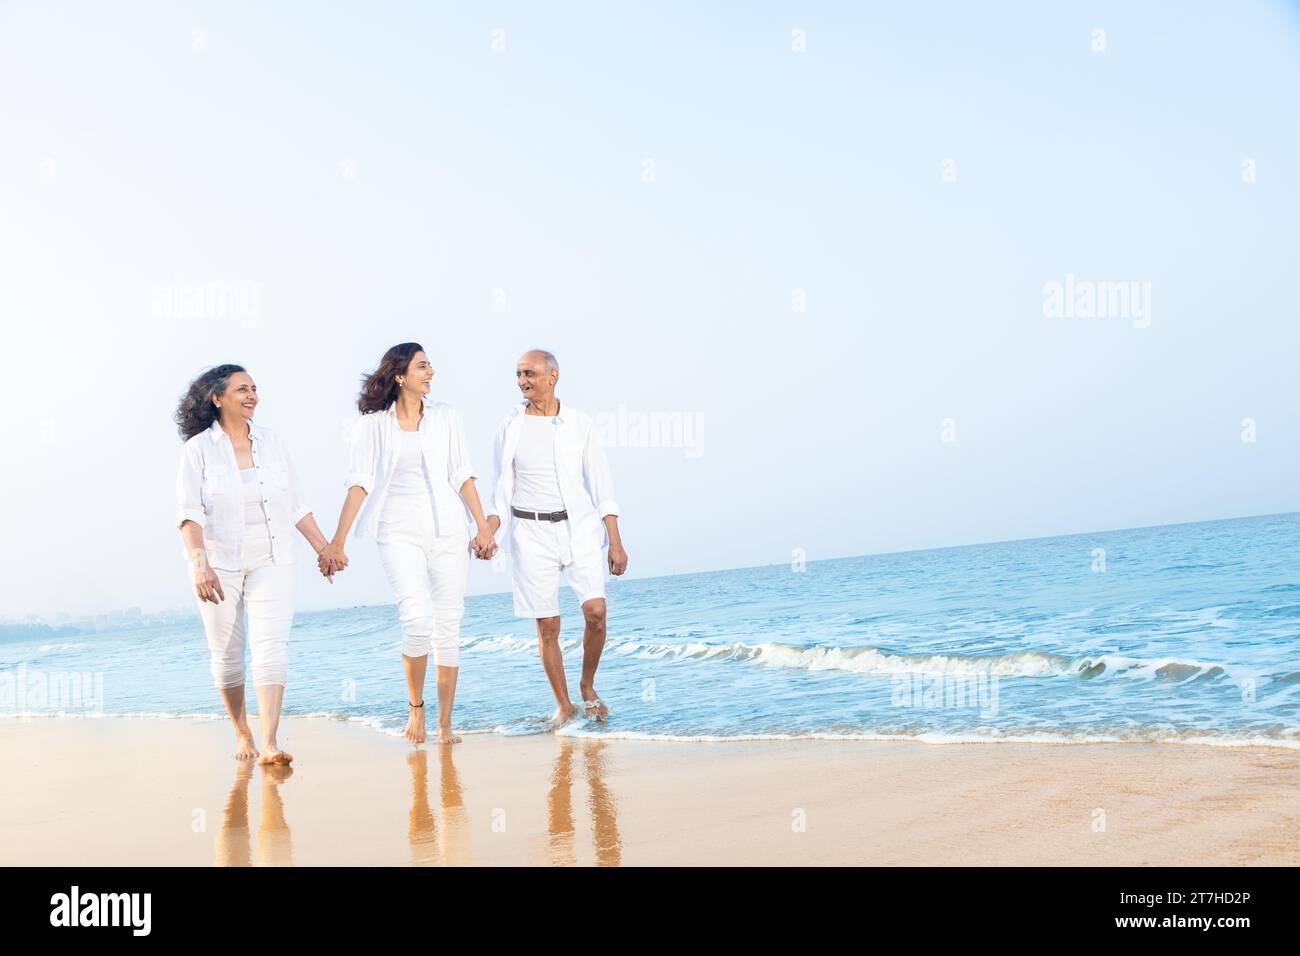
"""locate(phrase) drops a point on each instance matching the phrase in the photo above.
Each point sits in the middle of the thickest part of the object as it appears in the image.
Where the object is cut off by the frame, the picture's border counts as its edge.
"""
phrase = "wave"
(873, 660)
(509, 644)
(1283, 611)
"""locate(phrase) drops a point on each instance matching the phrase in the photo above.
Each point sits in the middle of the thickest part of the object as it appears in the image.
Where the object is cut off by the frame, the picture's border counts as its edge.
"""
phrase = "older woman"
(238, 504)
(409, 484)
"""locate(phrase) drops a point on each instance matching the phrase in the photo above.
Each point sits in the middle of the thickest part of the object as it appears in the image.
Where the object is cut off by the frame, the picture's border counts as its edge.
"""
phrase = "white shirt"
(408, 477)
(586, 487)
(376, 443)
(537, 485)
(209, 492)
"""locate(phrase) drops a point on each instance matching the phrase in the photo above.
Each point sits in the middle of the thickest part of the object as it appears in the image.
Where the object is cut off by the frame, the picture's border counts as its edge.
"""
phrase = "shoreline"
(575, 731)
(152, 791)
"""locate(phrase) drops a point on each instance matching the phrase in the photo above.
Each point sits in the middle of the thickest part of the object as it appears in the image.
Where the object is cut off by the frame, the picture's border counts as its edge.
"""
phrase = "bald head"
(536, 373)
(545, 357)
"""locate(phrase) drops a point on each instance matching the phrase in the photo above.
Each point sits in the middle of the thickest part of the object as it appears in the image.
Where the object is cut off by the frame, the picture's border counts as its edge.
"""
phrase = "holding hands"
(484, 545)
(331, 560)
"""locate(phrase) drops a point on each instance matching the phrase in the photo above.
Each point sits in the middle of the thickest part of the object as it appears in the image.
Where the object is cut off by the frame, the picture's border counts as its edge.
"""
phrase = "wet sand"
(122, 791)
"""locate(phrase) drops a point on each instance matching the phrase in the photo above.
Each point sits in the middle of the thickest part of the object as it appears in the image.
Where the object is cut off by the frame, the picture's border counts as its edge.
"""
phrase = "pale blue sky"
(129, 158)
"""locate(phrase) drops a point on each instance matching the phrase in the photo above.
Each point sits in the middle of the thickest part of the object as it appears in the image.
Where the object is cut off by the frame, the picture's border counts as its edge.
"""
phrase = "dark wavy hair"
(196, 413)
(379, 389)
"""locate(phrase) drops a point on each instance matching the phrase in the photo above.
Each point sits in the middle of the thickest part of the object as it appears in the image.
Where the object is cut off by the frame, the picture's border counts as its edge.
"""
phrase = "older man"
(553, 488)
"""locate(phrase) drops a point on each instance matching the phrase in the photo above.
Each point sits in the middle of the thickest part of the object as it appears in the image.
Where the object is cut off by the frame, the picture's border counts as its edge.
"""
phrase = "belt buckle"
(551, 517)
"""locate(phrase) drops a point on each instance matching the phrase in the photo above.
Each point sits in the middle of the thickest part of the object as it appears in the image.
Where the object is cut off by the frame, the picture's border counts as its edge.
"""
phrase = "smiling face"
(237, 403)
(536, 382)
(417, 377)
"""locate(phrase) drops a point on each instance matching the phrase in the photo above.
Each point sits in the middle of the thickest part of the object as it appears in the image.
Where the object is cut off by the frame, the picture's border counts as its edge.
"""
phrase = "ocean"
(1187, 633)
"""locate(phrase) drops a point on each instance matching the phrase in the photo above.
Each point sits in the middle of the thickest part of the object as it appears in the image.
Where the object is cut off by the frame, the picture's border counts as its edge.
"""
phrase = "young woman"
(238, 504)
(409, 482)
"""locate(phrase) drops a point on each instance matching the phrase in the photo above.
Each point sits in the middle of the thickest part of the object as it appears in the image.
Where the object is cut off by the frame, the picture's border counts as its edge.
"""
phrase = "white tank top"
(254, 513)
(408, 478)
(537, 483)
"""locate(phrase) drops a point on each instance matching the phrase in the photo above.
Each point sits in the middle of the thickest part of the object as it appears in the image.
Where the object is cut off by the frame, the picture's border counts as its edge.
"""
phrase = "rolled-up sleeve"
(297, 509)
(189, 487)
(459, 469)
(364, 455)
(595, 472)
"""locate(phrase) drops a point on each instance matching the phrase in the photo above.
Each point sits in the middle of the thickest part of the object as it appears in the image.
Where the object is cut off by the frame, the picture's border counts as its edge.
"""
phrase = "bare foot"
(244, 748)
(592, 705)
(563, 714)
(272, 754)
(445, 735)
(415, 731)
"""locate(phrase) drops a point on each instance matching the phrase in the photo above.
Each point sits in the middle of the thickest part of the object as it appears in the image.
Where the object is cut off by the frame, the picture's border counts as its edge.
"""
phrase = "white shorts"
(540, 551)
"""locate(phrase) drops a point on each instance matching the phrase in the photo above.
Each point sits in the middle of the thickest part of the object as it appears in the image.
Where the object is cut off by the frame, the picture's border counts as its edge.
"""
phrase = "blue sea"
(1187, 633)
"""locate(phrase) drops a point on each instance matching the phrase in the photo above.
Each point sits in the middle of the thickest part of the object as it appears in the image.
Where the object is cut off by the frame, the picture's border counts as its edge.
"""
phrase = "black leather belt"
(540, 515)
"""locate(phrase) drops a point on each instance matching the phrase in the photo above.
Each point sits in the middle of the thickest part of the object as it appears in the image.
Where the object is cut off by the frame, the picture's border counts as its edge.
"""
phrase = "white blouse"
(408, 477)
(254, 512)
(209, 492)
(376, 446)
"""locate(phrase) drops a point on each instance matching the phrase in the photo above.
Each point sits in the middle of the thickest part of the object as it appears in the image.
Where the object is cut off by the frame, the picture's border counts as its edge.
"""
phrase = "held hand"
(331, 560)
(484, 546)
(617, 558)
(207, 585)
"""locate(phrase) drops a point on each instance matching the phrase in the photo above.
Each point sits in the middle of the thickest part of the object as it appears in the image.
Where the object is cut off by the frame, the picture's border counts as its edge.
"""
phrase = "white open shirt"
(376, 445)
(585, 482)
(210, 492)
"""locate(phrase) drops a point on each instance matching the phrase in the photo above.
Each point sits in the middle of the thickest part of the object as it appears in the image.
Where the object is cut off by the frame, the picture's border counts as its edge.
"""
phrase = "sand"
(123, 791)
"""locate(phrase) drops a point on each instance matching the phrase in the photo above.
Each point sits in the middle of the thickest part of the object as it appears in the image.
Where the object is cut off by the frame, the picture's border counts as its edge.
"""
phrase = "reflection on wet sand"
(559, 809)
(438, 837)
(431, 846)
(606, 841)
(274, 839)
(605, 837)
(233, 844)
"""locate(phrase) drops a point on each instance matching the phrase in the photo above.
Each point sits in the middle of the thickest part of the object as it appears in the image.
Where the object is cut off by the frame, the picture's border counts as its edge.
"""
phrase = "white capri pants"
(428, 573)
(264, 591)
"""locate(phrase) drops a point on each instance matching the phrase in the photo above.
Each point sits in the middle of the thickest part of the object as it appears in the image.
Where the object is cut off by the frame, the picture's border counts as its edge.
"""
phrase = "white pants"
(541, 550)
(263, 590)
(428, 573)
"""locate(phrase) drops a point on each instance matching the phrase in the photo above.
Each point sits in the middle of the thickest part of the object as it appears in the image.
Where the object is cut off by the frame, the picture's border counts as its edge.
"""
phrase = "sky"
(818, 238)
